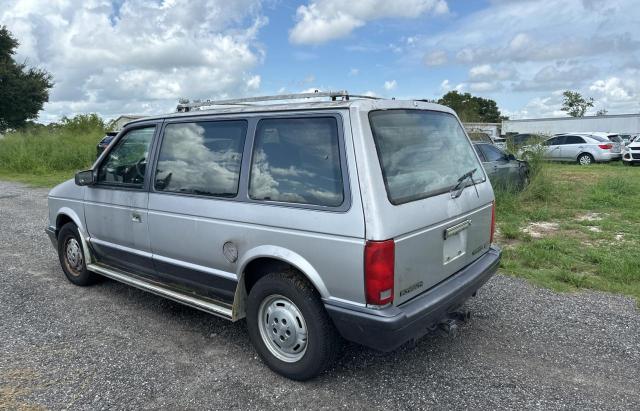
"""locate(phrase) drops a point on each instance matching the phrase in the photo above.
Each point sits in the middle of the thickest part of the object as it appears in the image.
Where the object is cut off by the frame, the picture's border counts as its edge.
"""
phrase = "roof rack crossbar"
(333, 95)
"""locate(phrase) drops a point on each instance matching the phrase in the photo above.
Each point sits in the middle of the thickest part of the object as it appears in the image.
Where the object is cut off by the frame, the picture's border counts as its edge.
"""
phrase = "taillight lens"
(493, 221)
(605, 146)
(379, 261)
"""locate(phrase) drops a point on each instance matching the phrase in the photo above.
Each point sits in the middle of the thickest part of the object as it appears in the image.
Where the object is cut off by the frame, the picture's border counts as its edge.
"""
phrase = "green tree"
(23, 90)
(471, 108)
(574, 104)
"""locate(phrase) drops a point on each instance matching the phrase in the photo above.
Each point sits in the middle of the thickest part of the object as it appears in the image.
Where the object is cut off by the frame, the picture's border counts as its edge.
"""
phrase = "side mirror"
(511, 157)
(85, 178)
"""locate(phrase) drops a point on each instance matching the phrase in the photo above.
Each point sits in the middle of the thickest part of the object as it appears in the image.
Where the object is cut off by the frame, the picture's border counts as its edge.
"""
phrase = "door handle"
(135, 217)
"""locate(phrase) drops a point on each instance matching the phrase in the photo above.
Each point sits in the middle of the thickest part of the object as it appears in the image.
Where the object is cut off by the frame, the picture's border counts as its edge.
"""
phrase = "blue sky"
(139, 57)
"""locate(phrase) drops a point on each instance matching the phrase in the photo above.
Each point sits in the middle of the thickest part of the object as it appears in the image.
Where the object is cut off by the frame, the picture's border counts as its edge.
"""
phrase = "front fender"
(75, 217)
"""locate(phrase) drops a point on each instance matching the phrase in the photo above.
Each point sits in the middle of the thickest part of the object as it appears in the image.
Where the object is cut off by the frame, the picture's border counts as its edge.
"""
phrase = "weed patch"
(574, 228)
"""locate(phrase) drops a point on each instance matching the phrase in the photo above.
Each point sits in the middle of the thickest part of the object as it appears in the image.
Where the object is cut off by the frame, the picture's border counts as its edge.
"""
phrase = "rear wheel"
(289, 327)
(585, 159)
(71, 255)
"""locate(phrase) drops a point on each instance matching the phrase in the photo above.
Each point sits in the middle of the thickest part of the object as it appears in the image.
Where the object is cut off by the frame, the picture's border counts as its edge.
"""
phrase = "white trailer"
(620, 124)
(491, 129)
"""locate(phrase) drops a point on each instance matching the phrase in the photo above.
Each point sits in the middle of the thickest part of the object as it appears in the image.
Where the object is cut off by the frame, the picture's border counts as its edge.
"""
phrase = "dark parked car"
(503, 169)
(104, 143)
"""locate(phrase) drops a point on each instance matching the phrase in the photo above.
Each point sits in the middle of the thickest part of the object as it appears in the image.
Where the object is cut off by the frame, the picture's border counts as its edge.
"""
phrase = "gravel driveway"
(112, 346)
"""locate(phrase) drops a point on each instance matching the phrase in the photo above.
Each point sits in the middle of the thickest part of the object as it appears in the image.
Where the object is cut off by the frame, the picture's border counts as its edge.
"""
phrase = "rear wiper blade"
(456, 190)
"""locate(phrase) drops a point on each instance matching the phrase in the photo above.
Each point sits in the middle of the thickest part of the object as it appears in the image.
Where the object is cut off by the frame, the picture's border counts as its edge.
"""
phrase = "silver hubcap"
(73, 255)
(282, 328)
(585, 160)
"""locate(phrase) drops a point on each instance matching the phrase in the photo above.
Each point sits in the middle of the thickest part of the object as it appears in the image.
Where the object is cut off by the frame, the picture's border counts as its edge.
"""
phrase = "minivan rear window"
(422, 153)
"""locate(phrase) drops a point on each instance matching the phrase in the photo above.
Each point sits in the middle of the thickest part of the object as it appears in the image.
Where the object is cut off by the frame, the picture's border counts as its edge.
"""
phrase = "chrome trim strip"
(205, 306)
(196, 267)
(121, 248)
(453, 230)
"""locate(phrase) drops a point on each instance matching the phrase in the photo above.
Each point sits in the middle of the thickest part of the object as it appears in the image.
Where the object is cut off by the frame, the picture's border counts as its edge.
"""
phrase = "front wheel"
(289, 327)
(71, 255)
(585, 159)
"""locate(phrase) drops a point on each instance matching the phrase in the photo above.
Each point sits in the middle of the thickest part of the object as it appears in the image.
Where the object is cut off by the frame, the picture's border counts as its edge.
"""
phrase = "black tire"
(322, 340)
(74, 268)
(585, 159)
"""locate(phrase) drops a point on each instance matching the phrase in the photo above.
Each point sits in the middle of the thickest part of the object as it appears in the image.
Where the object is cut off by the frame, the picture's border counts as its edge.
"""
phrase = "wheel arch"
(265, 259)
(66, 215)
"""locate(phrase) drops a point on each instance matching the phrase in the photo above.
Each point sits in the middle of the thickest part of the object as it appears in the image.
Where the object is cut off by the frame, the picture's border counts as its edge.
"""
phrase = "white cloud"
(323, 20)
(445, 86)
(254, 82)
(390, 85)
(435, 58)
(136, 56)
(614, 89)
(354, 72)
(483, 86)
(546, 45)
(618, 94)
(481, 72)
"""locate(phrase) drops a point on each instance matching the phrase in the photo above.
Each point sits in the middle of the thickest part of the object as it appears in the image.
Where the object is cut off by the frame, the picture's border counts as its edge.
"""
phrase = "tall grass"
(55, 149)
(597, 252)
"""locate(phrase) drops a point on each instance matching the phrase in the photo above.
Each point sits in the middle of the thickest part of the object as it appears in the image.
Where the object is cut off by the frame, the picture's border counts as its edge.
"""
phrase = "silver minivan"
(352, 218)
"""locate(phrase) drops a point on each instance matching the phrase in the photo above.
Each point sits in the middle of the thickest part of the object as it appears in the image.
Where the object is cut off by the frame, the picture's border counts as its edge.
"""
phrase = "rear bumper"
(388, 328)
(609, 156)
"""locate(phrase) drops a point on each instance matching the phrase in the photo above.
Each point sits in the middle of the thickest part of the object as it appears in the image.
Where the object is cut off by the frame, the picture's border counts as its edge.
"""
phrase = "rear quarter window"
(297, 160)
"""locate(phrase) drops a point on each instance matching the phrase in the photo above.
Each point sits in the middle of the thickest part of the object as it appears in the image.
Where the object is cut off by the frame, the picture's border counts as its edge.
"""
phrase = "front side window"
(421, 152)
(479, 152)
(297, 160)
(492, 153)
(126, 163)
(554, 141)
(201, 158)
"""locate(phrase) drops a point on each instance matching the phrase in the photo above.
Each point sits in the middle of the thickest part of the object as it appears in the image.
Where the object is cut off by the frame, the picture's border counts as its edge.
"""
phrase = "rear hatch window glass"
(422, 153)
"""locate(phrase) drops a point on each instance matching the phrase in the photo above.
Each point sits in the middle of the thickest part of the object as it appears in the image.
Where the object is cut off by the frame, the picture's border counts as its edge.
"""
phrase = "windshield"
(422, 153)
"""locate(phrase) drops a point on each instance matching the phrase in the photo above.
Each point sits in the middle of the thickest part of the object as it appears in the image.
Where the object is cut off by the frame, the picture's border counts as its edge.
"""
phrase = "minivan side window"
(201, 158)
(126, 163)
(297, 160)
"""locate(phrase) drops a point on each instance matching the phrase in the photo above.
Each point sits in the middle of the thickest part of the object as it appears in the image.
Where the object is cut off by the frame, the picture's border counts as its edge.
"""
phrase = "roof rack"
(333, 95)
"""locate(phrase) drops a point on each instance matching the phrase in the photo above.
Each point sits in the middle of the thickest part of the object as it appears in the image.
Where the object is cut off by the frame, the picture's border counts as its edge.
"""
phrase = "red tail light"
(379, 260)
(493, 221)
(605, 146)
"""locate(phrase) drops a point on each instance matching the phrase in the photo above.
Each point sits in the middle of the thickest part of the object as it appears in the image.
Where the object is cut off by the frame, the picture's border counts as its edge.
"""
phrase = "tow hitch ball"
(450, 324)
